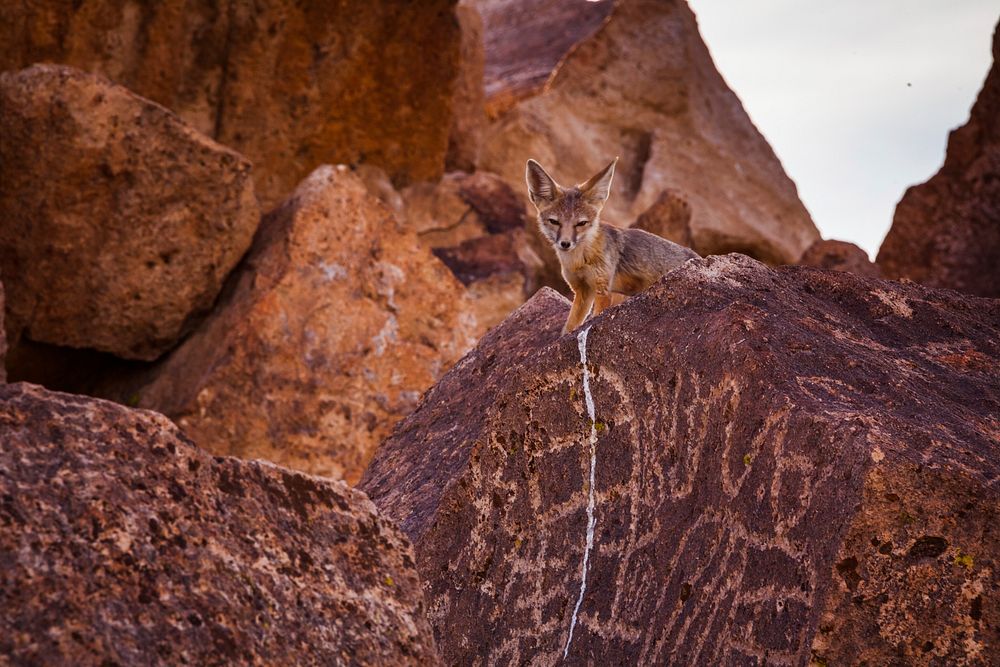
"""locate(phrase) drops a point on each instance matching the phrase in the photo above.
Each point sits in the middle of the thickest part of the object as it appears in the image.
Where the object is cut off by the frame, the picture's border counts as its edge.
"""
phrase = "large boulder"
(3, 341)
(946, 232)
(121, 543)
(524, 41)
(468, 102)
(741, 465)
(291, 85)
(118, 221)
(328, 334)
(644, 88)
(839, 256)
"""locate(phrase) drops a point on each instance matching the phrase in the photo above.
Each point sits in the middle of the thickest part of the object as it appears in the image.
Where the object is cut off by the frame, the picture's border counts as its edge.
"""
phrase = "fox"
(596, 259)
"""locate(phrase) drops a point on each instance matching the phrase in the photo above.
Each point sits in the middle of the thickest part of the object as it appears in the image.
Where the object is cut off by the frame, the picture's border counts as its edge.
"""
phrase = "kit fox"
(596, 258)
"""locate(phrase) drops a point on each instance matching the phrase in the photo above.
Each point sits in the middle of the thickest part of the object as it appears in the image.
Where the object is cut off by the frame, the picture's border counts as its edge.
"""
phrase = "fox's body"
(597, 259)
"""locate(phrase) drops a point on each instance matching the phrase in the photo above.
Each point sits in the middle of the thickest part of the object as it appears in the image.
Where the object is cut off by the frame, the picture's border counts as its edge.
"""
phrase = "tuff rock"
(327, 334)
(290, 85)
(122, 543)
(946, 232)
(740, 465)
(118, 221)
(644, 88)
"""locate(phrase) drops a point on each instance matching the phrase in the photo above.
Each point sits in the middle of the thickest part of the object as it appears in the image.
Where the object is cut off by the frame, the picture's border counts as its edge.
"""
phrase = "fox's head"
(568, 216)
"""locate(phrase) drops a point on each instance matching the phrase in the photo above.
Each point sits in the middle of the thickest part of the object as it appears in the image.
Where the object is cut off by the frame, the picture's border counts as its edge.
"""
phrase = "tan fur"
(596, 259)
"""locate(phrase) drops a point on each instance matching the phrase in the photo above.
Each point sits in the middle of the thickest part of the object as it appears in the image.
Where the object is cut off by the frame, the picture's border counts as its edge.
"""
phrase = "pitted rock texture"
(328, 333)
(291, 85)
(839, 256)
(118, 221)
(3, 340)
(526, 39)
(946, 232)
(790, 465)
(644, 88)
(121, 543)
(669, 217)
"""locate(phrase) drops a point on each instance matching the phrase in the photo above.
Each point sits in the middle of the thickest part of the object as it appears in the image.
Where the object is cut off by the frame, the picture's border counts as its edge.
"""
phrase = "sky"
(855, 96)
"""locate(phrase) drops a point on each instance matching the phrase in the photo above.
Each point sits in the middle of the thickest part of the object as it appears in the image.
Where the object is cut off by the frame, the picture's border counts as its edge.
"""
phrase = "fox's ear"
(598, 187)
(541, 187)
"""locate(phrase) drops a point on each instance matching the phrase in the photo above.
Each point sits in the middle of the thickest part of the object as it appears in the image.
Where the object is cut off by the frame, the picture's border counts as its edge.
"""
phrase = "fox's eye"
(582, 223)
(553, 221)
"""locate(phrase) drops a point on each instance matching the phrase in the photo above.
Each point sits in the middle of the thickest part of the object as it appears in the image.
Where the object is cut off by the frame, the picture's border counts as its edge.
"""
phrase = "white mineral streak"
(581, 340)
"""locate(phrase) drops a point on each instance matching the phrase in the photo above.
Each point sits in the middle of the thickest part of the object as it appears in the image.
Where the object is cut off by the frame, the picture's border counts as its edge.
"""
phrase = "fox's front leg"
(602, 299)
(583, 301)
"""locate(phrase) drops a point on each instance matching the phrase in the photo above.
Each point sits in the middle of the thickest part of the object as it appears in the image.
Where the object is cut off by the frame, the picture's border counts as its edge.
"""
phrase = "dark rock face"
(3, 340)
(291, 85)
(946, 232)
(669, 217)
(121, 543)
(779, 465)
(839, 256)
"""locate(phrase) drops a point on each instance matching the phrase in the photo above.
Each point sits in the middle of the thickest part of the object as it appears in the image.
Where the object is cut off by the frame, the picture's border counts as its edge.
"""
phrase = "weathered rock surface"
(669, 217)
(526, 39)
(291, 85)
(469, 101)
(3, 340)
(839, 256)
(644, 88)
(946, 232)
(499, 271)
(118, 221)
(779, 466)
(121, 543)
(328, 334)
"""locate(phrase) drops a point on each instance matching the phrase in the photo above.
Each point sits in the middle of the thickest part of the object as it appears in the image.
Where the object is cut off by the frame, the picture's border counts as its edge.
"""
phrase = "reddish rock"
(328, 334)
(118, 221)
(839, 256)
(644, 88)
(291, 85)
(946, 232)
(121, 543)
(3, 341)
(526, 39)
(778, 465)
(468, 103)
(669, 217)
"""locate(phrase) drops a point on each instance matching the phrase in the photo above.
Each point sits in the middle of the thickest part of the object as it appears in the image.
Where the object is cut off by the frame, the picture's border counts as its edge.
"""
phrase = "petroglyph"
(732, 446)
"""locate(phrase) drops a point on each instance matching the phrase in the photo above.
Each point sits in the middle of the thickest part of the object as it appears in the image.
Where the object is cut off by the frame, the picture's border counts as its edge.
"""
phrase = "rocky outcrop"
(3, 341)
(946, 232)
(669, 217)
(740, 465)
(468, 103)
(118, 221)
(526, 39)
(327, 335)
(839, 256)
(644, 88)
(290, 85)
(121, 543)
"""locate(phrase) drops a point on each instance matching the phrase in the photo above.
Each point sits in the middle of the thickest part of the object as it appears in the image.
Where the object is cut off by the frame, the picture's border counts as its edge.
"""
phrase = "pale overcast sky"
(856, 97)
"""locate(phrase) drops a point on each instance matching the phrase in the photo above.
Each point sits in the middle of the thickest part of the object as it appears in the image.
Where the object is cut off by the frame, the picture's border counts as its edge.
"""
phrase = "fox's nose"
(564, 244)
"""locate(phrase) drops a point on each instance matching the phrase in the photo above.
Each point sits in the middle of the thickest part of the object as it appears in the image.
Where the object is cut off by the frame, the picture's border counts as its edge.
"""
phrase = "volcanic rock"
(121, 543)
(3, 341)
(468, 103)
(291, 85)
(526, 39)
(839, 256)
(946, 232)
(669, 217)
(644, 88)
(499, 271)
(118, 221)
(330, 331)
(739, 465)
